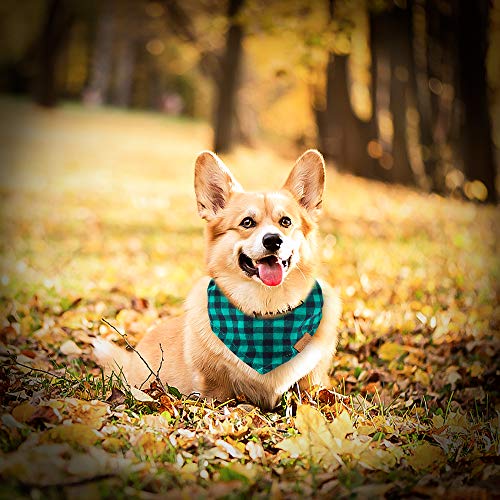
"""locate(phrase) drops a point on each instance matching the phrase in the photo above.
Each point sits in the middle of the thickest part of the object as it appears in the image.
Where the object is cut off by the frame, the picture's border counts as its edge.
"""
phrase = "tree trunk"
(479, 162)
(381, 91)
(338, 111)
(124, 73)
(442, 64)
(343, 137)
(102, 58)
(56, 28)
(228, 84)
(400, 52)
(423, 12)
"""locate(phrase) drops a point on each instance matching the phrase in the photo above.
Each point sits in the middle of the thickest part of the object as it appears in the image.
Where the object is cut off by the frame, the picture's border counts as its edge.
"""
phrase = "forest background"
(103, 108)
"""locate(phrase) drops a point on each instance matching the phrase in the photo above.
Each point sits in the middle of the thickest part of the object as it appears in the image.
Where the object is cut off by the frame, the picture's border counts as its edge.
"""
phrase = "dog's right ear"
(213, 184)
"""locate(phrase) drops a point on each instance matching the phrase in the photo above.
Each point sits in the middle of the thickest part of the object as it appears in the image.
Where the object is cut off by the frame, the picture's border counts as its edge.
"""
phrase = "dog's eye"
(285, 221)
(247, 223)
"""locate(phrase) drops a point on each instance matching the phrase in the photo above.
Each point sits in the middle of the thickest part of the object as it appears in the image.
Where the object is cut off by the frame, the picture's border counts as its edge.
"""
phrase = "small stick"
(129, 345)
(12, 358)
(158, 372)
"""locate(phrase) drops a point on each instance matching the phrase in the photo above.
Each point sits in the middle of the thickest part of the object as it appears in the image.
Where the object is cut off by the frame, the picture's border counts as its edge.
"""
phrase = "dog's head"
(264, 237)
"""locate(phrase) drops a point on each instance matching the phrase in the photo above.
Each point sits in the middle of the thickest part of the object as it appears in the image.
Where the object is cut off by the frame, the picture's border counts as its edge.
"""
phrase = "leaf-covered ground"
(99, 221)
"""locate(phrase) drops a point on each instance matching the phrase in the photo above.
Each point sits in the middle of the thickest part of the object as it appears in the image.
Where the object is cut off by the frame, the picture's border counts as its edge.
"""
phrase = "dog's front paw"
(270, 401)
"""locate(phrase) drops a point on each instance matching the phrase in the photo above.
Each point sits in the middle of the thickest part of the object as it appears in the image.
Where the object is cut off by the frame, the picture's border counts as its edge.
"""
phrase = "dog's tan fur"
(195, 359)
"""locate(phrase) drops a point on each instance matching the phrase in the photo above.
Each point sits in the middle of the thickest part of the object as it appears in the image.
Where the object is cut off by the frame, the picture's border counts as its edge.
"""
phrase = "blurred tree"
(422, 11)
(477, 146)
(399, 20)
(436, 61)
(59, 18)
(227, 89)
(102, 54)
(133, 34)
(342, 135)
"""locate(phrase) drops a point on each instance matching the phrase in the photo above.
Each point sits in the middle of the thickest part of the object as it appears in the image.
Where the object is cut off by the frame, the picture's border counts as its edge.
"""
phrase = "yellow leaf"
(150, 444)
(300, 446)
(112, 444)
(390, 351)
(313, 426)
(342, 426)
(437, 421)
(354, 447)
(322, 440)
(76, 434)
(377, 459)
(366, 430)
(422, 377)
(85, 412)
(426, 456)
(23, 412)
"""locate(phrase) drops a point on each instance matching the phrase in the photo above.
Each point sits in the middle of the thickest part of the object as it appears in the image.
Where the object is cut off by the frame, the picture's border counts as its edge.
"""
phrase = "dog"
(259, 322)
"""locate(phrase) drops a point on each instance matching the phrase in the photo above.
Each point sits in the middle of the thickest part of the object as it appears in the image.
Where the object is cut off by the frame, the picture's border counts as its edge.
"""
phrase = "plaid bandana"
(263, 343)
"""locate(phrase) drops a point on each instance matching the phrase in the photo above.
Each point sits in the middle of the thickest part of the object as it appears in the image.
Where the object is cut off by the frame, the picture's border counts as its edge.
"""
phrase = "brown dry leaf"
(369, 491)
(116, 397)
(23, 412)
(45, 414)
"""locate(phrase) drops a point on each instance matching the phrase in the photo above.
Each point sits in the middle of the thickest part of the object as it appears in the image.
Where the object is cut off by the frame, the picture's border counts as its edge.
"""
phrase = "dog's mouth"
(270, 270)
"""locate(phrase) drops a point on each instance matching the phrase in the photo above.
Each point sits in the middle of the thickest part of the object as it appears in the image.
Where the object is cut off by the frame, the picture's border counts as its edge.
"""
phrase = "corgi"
(259, 322)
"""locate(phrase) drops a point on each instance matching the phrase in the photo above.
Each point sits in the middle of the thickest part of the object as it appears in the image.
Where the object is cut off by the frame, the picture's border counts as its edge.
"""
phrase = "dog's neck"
(255, 299)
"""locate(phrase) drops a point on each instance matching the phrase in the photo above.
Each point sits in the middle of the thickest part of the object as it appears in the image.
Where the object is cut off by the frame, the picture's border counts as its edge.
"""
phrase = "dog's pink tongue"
(270, 272)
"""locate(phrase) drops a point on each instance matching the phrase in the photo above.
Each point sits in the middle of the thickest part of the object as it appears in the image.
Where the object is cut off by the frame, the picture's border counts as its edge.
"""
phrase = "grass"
(99, 220)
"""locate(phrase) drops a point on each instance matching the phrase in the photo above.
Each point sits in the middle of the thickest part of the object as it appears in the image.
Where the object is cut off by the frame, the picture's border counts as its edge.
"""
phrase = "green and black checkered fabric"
(263, 343)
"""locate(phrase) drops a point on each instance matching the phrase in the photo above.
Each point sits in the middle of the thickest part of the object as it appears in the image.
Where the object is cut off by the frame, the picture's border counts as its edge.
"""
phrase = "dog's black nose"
(272, 241)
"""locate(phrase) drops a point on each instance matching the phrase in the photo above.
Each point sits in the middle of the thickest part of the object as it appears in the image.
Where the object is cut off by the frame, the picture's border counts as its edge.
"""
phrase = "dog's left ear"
(307, 180)
(213, 184)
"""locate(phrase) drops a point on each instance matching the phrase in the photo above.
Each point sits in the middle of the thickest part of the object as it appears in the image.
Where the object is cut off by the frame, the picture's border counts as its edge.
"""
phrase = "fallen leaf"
(255, 450)
(390, 350)
(426, 456)
(23, 412)
(377, 459)
(141, 396)
(69, 347)
(75, 434)
(229, 448)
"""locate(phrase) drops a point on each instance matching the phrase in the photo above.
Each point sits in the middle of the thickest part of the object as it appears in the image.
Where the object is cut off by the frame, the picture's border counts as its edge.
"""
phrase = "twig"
(161, 363)
(32, 368)
(130, 346)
